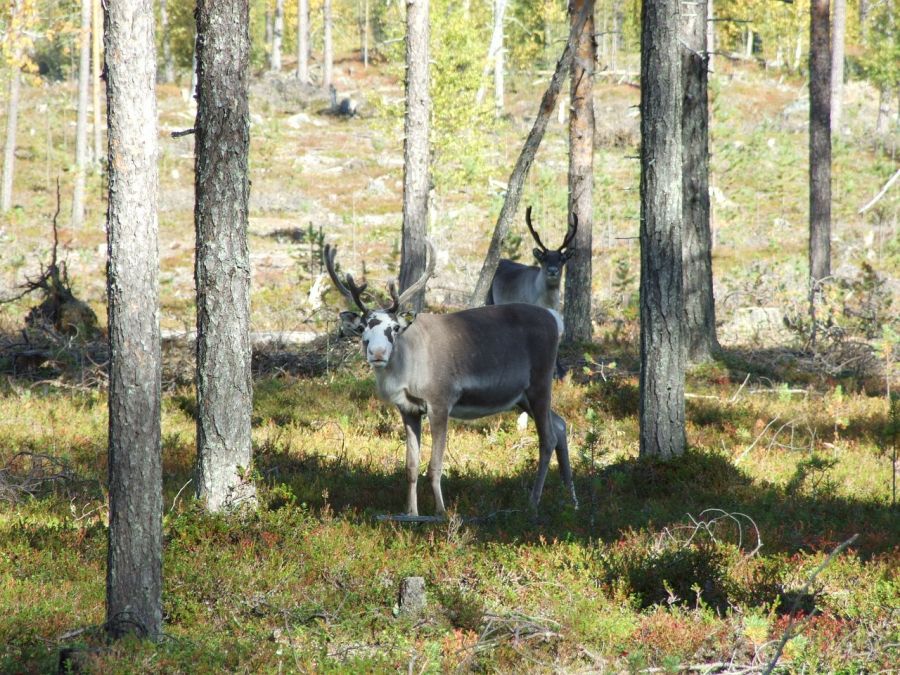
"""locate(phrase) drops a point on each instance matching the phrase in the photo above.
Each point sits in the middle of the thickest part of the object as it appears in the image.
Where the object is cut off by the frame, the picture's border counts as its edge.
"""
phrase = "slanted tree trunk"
(662, 354)
(12, 111)
(224, 387)
(581, 176)
(168, 61)
(81, 127)
(277, 34)
(523, 164)
(819, 142)
(134, 562)
(303, 41)
(97, 31)
(837, 62)
(416, 150)
(699, 303)
(328, 56)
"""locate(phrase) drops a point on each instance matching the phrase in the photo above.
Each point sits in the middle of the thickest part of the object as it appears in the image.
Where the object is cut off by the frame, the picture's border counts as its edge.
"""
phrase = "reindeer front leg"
(438, 421)
(413, 424)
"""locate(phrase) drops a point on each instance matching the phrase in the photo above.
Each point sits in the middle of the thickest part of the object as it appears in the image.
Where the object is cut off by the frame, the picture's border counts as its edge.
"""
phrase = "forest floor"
(702, 564)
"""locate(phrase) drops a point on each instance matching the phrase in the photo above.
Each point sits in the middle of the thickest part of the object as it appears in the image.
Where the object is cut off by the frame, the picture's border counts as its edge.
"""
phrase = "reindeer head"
(377, 327)
(552, 262)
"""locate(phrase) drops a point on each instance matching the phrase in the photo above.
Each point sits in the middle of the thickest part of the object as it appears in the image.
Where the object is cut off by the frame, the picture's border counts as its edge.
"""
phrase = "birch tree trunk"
(12, 112)
(662, 355)
(523, 164)
(838, 34)
(328, 57)
(168, 61)
(277, 35)
(303, 41)
(224, 386)
(710, 36)
(699, 302)
(97, 32)
(819, 142)
(577, 308)
(416, 150)
(495, 46)
(81, 125)
(134, 562)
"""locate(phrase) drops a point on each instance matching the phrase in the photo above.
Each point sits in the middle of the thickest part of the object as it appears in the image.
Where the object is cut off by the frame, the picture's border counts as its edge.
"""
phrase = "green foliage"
(880, 60)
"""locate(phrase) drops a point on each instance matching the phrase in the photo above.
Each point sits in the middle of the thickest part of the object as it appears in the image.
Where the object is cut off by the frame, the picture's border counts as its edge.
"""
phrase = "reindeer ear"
(568, 253)
(539, 255)
(351, 324)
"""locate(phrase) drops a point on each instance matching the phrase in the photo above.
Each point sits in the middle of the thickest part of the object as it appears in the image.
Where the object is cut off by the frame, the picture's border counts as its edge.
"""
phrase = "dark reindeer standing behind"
(464, 365)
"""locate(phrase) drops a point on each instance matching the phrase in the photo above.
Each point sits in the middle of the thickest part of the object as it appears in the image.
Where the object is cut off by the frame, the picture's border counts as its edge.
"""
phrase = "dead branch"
(887, 186)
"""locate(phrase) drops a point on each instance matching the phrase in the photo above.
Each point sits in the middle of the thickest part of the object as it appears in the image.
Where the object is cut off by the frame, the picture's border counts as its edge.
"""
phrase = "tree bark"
(710, 36)
(819, 142)
(81, 126)
(578, 270)
(416, 150)
(303, 41)
(168, 61)
(699, 302)
(224, 386)
(523, 164)
(12, 112)
(97, 31)
(134, 564)
(837, 62)
(328, 57)
(277, 34)
(662, 311)
(495, 46)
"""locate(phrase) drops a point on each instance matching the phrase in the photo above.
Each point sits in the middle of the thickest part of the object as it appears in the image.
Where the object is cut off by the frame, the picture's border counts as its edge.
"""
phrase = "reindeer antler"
(349, 290)
(570, 233)
(534, 234)
(418, 285)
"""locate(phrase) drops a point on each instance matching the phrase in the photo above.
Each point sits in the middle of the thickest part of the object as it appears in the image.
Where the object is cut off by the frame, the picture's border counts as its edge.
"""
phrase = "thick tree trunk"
(277, 35)
(699, 303)
(168, 61)
(416, 150)
(81, 125)
(97, 31)
(581, 176)
(12, 115)
(224, 386)
(134, 563)
(303, 41)
(523, 164)
(662, 311)
(328, 56)
(819, 142)
(837, 62)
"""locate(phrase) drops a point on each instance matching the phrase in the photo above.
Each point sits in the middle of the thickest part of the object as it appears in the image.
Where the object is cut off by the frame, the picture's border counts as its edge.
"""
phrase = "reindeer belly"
(473, 404)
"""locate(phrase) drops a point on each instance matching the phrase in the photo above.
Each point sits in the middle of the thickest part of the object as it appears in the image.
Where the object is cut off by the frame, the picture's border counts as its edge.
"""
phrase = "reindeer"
(515, 282)
(465, 365)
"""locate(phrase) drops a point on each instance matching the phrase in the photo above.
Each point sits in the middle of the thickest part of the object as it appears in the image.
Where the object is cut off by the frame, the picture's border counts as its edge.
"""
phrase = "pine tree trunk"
(303, 41)
(581, 177)
(416, 150)
(81, 126)
(328, 57)
(662, 355)
(837, 62)
(224, 386)
(819, 142)
(168, 61)
(12, 115)
(699, 302)
(97, 69)
(277, 34)
(134, 564)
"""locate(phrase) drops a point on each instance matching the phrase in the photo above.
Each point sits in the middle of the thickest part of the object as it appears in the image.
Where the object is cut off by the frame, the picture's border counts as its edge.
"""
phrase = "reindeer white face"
(378, 330)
